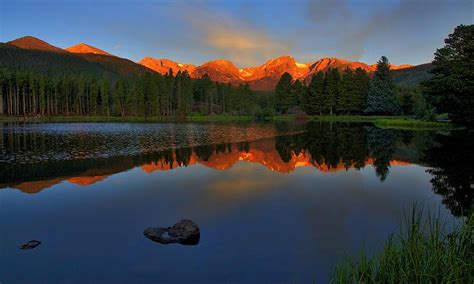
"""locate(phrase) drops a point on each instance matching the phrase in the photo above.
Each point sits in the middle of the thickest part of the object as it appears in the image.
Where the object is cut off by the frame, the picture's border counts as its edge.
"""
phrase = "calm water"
(276, 203)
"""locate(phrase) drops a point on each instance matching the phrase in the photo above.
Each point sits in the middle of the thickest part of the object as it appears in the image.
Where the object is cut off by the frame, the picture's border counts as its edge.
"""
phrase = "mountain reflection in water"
(324, 147)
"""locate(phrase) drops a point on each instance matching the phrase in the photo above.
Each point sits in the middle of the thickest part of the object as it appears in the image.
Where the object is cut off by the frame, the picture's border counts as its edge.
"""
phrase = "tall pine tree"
(345, 102)
(316, 94)
(332, 93)
(285, 98)
(452, 87)
(381, 96)
(360, 89)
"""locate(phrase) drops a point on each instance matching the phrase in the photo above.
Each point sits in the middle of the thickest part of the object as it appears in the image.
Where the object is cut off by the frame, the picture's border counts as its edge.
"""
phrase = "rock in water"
(185, 232)
(31, 244)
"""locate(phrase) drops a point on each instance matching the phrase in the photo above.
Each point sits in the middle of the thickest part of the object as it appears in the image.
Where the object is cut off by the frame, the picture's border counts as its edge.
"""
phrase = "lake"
(275, 202)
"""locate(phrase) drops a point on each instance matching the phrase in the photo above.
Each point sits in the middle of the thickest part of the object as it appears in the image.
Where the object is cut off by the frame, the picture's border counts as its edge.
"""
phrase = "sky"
(246, 32)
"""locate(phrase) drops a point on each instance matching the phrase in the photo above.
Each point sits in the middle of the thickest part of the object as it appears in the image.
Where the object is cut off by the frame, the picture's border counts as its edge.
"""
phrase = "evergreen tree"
(298, 95)
(360, 89)
(284, 96)
(105, 96)
(381, 96)
(333, 80)
(316, 94)
(452, 87)
(345, 102)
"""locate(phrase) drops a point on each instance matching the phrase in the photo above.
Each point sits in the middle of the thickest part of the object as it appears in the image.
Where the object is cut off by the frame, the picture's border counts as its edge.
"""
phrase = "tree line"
(349, 93)
(24, 93)
(449, 89)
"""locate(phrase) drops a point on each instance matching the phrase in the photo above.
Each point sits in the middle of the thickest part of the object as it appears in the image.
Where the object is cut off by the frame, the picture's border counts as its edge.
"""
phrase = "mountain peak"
(221, 70)
(281, 60)
(85, 48)
(263, 77)
(221, 63)
(29, 42)
(163, 65)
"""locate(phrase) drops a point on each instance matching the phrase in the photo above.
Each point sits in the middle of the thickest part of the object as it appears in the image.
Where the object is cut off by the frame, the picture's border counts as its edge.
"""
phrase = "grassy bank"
(423, 252)
(219, 118)
(409, 123)
(398, 122)
(351, 118)
(210, 118)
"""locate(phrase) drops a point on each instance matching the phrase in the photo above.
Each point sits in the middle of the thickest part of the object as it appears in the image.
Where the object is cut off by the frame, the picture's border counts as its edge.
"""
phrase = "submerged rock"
(185, 232)
(31, 244)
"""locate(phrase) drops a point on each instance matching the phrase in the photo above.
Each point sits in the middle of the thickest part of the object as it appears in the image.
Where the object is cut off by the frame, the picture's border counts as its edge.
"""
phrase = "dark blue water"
(274, 203)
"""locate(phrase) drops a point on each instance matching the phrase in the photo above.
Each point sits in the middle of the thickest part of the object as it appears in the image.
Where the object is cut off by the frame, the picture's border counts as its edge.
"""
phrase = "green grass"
(194, 118)
(351, 118)
(396, 122)
(423, 252)
(219, 118)
(283, 118)
(410, 123)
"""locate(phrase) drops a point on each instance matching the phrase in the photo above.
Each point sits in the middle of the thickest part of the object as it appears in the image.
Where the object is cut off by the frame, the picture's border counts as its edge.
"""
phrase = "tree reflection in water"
(324, 146)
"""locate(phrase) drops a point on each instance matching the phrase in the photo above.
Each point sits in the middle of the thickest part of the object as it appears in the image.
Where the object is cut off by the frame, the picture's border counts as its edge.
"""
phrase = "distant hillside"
(85, 48)
(31, 54)
(116, 65)
(29, 42)
(412, 76)
(46, 62)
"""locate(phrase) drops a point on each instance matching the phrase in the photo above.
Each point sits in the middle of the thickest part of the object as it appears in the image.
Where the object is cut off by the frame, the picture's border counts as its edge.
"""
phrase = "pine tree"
(381, 96)
(187, 90)
(333, 79)
(284, 96)
(452, 87)
(298, 95)
(105, 96)
(360, 90)
(315, 94)
(345, 102)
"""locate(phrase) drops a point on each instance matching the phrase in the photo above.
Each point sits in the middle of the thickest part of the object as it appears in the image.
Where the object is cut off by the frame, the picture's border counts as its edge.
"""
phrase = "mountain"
(220, 70)
(29, 42)
(45, 62)
(340, 64)
(266, 76)
(263, 77)
(163, 65)
(32, 54)
(116, 65)
(85, 48)
(412, 76)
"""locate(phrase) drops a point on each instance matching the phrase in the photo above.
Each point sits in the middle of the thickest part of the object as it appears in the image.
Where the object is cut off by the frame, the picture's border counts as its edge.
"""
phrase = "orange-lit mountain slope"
(263, 77)
(85, 48)
(29, 42)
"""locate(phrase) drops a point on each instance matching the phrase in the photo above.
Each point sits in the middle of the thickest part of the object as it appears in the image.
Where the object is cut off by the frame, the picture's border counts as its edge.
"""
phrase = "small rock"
(185, 232)
(31, 244)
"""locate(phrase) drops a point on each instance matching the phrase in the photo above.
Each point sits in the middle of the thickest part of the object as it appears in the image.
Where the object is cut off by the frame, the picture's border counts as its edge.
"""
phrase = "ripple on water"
(31, 143)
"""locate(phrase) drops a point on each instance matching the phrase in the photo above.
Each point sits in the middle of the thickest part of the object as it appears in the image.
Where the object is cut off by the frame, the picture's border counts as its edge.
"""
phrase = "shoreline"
(396, 122)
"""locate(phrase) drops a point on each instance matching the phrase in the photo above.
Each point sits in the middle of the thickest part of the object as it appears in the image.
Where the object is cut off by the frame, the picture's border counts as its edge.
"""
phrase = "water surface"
(276, 203)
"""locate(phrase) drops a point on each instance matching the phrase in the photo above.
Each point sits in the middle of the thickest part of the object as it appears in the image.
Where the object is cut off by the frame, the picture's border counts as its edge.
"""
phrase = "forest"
(36, 83)
(354, 92)
(29, 93)
(24, 93)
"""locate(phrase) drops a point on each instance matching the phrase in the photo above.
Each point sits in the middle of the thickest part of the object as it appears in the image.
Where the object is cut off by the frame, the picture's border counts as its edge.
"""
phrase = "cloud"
(242, 42)
(385, 24)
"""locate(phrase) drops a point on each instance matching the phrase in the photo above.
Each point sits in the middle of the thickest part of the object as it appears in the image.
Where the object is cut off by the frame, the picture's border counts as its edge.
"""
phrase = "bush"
(423, 252)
